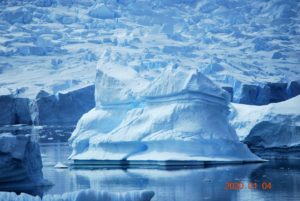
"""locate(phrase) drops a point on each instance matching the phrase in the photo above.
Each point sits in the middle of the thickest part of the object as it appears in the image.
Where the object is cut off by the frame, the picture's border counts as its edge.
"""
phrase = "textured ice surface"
(83, 195)
(20, 163)
(54, 45)
(64, 108)
(275, 125)
(178, 115)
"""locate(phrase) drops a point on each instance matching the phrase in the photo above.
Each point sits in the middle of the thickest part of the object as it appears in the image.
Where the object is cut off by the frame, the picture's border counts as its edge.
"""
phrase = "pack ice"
(20, 163)
(273, 126)
(176, 115)
(83, 195)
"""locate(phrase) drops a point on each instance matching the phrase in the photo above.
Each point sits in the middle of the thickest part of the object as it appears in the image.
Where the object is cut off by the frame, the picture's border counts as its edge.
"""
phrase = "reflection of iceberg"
(181, 185)
(83, 195)
(20, 163)
(179, 116)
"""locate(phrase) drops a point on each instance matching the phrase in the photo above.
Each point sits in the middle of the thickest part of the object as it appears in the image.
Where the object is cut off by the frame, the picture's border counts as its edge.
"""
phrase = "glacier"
(249, 48)
(20, 163)
(82, 195)
(177, 115)
(270, 130)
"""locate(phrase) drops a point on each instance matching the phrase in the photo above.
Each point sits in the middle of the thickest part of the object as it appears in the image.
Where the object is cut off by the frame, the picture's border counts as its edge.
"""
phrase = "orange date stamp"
(237, 185)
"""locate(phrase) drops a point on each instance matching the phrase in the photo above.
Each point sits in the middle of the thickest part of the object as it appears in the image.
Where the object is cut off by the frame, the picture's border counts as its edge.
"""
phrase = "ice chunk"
(276, 125)
(83, 195)
(102, 12)
(66, 107)
(60, 165)
(44, 3)
(20, 163)
(17, 15)
(179, 116)
(14, 110)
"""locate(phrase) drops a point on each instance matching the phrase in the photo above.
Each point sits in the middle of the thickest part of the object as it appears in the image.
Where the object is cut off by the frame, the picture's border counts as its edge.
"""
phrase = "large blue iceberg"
(177, 115)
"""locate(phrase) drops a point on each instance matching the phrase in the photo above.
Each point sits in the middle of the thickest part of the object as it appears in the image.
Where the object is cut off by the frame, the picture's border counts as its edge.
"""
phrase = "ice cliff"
(20, 163)
(178, 115)
(83, 195)
(270, 128)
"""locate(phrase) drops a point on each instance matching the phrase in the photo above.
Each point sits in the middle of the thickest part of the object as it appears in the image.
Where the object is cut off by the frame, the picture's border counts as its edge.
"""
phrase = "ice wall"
(274, 127)
(20, 163)
(64, 108)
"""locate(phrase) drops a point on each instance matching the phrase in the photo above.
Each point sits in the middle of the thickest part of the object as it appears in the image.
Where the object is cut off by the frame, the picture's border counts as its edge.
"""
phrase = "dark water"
(274, 180)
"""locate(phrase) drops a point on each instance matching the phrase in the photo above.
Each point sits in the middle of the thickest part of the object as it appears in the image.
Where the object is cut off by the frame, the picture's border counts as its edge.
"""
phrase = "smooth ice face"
(276, 125)
(20, 163)
(177, 115)
(83, 195)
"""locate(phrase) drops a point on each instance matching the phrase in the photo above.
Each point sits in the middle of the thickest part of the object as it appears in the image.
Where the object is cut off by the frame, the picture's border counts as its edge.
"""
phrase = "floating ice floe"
(60, 165)
(181, 115)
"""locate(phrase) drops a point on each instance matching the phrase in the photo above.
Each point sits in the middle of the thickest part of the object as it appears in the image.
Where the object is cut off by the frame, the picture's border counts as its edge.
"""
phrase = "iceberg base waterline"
(150, 164)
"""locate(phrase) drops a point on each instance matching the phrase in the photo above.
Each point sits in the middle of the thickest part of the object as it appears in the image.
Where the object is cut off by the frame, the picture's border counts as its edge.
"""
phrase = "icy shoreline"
(83, 195)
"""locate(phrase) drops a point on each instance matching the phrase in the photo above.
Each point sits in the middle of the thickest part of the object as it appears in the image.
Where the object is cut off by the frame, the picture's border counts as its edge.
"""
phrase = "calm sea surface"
(273, 180)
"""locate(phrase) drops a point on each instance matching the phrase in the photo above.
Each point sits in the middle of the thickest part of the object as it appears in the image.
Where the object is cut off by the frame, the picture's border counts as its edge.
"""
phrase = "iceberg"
(273, 127)
(83, 195)
(20, 163)
(178, 116)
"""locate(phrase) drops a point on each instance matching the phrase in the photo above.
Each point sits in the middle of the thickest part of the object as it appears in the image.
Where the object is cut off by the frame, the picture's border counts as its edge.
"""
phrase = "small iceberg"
(60, 165)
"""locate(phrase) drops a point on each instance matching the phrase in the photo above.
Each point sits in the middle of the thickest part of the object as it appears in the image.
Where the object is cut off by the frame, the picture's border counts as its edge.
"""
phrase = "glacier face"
(274, 127)
(248, 47)
(177, 115)
(83, 195)
(20, 164)
(54, 45)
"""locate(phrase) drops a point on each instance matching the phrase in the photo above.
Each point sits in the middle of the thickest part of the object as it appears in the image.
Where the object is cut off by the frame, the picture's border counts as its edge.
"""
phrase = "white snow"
(232, 42)
(179, 115)
(268, 126)
(83, 195)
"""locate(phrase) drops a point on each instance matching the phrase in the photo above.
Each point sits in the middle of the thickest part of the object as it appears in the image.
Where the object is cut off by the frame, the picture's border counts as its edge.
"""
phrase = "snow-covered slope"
(179, 115)
(20, 163)
(83, 195)
(273, 127)
(243, 44)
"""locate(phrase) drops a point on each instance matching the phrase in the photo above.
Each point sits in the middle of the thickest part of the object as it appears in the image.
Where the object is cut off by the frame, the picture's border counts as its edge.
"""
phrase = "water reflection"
(178, 185)
(284, 176)
(192, 185)
(168, 185)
